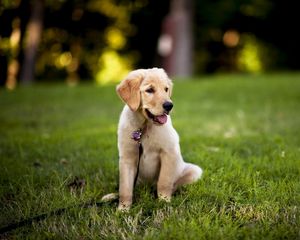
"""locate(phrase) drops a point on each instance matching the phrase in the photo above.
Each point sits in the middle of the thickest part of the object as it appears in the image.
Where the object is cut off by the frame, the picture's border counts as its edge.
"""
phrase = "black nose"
(168, 106)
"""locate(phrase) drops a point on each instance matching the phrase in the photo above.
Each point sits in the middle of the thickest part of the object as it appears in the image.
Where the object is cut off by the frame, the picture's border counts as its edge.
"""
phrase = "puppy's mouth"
(160, 119)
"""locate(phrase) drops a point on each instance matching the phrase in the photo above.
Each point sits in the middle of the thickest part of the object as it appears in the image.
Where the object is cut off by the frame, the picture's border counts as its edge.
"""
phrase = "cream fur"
(161, 162)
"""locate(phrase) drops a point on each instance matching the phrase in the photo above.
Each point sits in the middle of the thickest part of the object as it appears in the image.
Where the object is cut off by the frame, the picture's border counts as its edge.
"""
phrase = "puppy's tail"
(110, 197)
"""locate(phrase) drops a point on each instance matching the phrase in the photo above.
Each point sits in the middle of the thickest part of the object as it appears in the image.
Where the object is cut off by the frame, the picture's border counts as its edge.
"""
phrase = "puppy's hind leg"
(191, 173)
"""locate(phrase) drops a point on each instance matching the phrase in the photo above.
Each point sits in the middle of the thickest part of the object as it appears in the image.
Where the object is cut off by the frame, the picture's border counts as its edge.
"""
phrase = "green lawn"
(243, 130)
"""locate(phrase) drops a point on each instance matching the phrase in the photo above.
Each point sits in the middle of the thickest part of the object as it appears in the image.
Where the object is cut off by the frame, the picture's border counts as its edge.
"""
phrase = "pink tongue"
(162, 119)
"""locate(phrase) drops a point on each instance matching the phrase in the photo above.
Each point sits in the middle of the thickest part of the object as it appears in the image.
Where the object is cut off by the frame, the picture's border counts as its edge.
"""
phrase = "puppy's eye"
(166, 89)
(150, 90)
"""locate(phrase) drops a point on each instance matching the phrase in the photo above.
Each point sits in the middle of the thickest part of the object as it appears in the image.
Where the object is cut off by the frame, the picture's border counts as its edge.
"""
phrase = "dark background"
(72, 41)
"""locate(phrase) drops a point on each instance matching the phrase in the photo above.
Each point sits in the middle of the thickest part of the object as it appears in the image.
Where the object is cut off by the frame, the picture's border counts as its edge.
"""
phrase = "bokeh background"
(102, 40)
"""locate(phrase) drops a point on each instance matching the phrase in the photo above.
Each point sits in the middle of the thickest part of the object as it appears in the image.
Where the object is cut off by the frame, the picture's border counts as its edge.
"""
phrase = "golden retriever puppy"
(145, 120)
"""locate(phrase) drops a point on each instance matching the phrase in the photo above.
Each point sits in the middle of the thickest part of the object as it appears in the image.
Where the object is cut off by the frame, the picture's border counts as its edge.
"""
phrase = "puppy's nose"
(168, 106)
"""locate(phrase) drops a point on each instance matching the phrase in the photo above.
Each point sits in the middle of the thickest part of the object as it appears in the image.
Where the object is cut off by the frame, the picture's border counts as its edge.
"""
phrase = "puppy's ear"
(170, 83)
(170, 87)
(129, 89)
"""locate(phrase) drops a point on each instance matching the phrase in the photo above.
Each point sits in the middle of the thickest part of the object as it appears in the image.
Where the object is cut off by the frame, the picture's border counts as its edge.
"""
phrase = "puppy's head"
(148, 91)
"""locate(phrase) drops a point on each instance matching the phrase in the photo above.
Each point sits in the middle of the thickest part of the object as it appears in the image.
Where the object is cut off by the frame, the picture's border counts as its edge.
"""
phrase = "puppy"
(145, 121)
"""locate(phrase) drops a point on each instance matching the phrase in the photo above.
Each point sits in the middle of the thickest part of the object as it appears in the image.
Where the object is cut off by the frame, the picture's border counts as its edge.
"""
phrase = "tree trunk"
(23, 13)
(176, 41)
(33, 37)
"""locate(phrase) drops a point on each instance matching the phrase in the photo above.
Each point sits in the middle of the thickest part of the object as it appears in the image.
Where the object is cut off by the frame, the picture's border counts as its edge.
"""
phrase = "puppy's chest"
(150, 142)
(159, 138)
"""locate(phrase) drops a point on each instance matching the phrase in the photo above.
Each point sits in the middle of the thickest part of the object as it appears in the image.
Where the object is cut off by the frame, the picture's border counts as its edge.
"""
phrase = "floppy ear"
(170, 87)
(170, 83)
(129, 89)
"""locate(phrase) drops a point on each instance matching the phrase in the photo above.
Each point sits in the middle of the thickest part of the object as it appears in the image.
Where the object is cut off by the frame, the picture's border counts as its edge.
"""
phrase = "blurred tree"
(33, 37)
(116, 61)
(80, 43)
(147, 29)
(103, 39)
(263, 28)
(176, 41)
(13, 14)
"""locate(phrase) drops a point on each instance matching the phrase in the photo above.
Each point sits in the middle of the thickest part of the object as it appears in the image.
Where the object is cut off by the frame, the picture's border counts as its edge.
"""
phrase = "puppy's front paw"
(164, 198)
(124, 207)
(125, 202)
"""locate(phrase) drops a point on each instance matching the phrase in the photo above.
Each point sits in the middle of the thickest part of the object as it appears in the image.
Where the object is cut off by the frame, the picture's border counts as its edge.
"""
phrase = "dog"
(145, 122)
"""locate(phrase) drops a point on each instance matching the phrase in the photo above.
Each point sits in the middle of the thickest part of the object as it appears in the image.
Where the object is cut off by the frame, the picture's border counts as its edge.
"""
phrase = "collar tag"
(137, 135)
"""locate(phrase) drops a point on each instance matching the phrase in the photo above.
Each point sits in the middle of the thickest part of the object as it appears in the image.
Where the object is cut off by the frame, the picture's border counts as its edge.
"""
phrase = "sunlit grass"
(243, 130)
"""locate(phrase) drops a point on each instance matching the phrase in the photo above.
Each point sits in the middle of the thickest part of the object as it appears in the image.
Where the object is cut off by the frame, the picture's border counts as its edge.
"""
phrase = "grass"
(243, 130)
